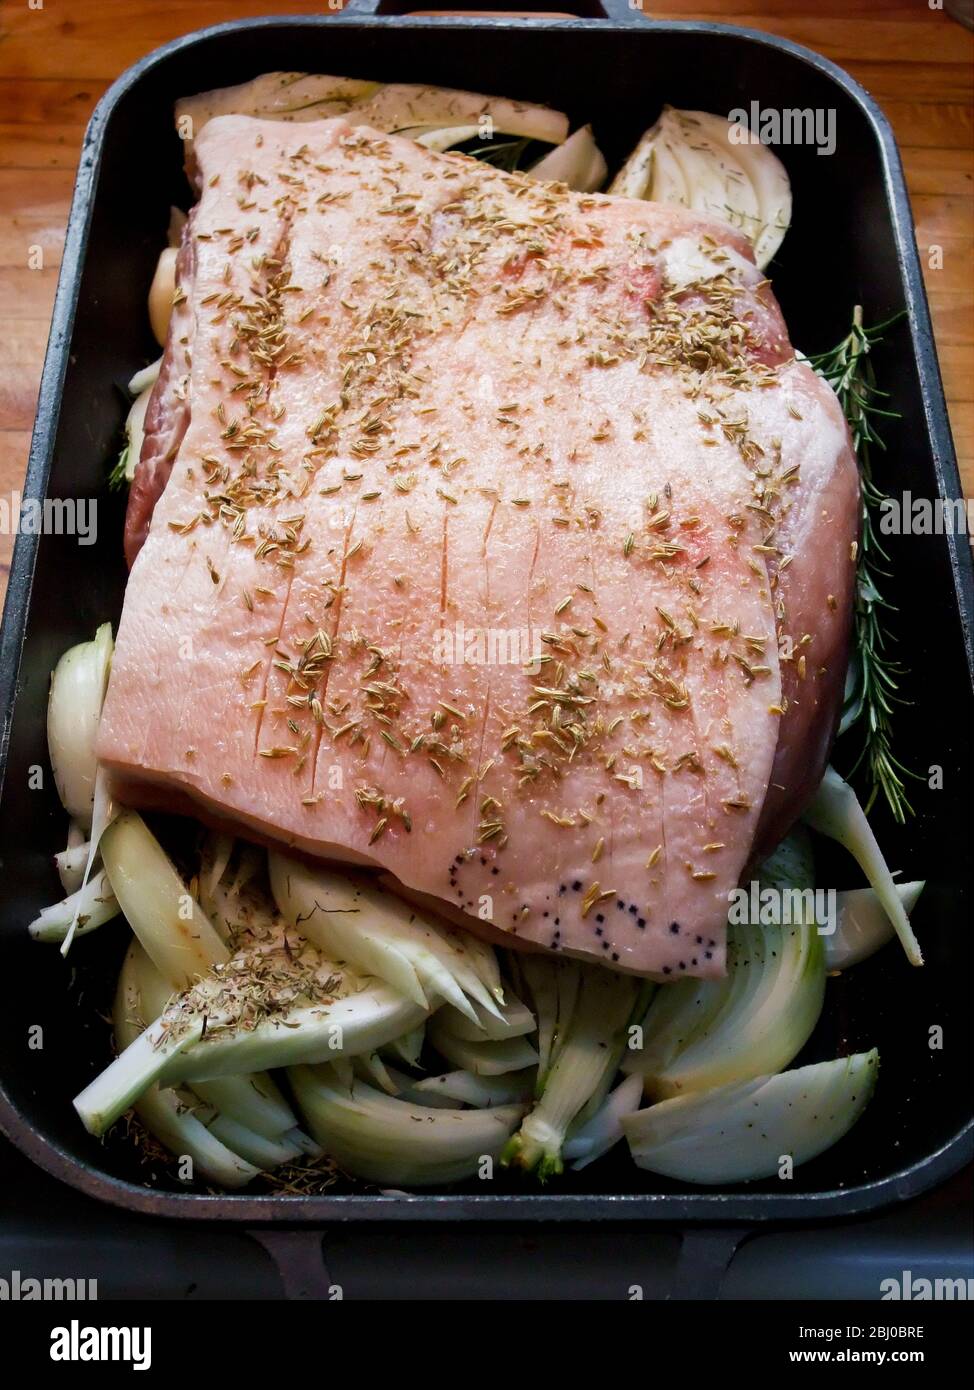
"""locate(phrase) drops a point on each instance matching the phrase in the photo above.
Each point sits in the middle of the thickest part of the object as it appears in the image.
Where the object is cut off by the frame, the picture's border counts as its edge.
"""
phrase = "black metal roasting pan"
(851, 241)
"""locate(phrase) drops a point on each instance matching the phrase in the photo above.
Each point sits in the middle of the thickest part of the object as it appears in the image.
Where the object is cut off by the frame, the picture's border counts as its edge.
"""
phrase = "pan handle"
(299, 1255)
(619, 11)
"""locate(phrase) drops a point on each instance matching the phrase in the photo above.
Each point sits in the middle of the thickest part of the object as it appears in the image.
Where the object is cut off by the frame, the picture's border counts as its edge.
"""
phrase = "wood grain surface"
(57, 57)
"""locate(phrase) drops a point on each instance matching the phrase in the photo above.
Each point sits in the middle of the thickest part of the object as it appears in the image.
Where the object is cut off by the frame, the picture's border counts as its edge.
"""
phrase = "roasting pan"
(852, 241)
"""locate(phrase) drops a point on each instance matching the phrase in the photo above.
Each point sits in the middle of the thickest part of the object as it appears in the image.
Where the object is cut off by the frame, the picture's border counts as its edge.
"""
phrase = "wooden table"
(56, 61)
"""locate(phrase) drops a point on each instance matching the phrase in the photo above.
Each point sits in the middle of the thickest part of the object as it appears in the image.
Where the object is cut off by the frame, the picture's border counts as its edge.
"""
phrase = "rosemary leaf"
(503, 154)
(118, 476)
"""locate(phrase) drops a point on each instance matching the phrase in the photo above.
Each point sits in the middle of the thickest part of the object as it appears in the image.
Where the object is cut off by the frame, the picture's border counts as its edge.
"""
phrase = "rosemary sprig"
(872, 689)
(118, 475)
(503, 154)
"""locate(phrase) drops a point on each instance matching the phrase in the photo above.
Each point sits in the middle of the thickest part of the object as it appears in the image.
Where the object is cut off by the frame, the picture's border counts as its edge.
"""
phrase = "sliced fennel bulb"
(396, 106)
(409, 1047)
(255, 1127)
(481, 957)
(73, 713)
(134, 434)
(689, 159)
(485, 1056)
(742, 1132)
(176, 933)
(251, 1100)
(370, 1067)
(246, 1112)
(466, 1088)
(863, 925)
(145, 377)
(352, 919)
(70, 862)
(835, 811)
(87, 908)
(516, 1022)
(257, 1149)
(275, 1002)
(161, 293)
(699, 1034)
(578, 162)
(169, 1115)
(604, 1130)
(78, 687)
(393, 107)
(582, 1070)
(393, 1142)
(360, 1022)
(552, 984)
(140, 387)
(103, 813)
(582, 166)
(441, 138)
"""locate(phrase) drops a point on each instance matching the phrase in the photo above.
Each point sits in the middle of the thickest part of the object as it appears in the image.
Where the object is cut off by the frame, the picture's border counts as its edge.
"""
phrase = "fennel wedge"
(863, 925)
(275, 1002)
(252, 1099)
(169, 1115)
(77, 692)
(835, 811)
(696, 160)
(176, 933)
(351, 918)
(699, 1034)
(392, 106)
(581, 1072)
(747, 1130)
(394, 1142)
